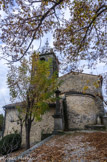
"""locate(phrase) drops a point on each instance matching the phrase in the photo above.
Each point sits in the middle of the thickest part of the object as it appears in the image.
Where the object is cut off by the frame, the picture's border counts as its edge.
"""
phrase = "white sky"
(4, 92)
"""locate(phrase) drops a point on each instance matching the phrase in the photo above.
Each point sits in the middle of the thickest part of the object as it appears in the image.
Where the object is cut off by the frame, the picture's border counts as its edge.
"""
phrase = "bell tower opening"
(42, 59)
(48, 53)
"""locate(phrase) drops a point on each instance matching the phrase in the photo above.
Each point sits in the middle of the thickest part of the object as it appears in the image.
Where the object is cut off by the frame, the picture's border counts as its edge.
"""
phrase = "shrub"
(10, 143)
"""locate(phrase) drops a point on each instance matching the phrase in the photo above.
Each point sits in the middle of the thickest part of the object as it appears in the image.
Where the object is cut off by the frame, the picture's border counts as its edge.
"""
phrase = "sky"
(4, 91)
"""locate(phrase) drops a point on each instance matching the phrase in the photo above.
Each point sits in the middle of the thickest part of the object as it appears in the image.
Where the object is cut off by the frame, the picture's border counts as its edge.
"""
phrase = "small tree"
(32, 84)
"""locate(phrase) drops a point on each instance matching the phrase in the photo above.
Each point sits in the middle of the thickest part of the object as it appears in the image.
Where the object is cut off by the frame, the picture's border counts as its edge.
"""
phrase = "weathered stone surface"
(46, 125)
(11, 121)
(82, 107)
(82, 110)
(77, 81)
(58, 125)
(105, 121)
(95, 127)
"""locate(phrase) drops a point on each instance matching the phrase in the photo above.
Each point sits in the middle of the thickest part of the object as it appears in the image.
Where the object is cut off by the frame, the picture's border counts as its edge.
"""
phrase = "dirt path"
(73, 147)
(84, 147)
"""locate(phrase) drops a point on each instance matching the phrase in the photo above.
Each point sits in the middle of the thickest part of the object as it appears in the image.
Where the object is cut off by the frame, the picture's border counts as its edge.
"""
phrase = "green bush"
(10, 143)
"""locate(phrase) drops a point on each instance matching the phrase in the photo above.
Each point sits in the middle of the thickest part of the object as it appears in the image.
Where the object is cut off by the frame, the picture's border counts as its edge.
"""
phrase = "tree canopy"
(78, 35)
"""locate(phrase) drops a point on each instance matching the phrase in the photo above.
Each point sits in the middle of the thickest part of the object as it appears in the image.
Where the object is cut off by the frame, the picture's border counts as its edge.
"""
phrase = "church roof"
(81, 73)
(14, 105)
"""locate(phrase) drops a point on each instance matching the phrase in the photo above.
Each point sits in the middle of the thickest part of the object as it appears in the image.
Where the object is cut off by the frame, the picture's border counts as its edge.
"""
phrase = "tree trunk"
(21, 126)
(28, 127)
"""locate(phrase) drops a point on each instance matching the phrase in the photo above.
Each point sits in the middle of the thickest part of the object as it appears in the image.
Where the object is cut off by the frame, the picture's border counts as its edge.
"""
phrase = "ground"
(75, 146)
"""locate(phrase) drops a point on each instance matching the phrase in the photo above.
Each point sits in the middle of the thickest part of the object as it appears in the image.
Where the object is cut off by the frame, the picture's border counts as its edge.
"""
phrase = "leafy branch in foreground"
(80, 35)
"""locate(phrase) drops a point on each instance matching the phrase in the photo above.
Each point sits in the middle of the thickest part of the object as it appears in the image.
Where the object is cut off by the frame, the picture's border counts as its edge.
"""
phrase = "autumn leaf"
(85, 88)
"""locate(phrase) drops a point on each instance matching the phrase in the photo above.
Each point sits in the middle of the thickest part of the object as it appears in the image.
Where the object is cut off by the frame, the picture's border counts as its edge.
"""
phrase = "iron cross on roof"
(47, 46)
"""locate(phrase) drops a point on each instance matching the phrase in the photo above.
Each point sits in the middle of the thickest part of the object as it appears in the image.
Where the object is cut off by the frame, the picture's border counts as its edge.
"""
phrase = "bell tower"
(48, 53)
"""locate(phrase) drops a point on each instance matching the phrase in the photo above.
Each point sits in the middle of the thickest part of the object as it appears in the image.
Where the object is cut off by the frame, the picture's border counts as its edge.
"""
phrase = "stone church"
(76, 109)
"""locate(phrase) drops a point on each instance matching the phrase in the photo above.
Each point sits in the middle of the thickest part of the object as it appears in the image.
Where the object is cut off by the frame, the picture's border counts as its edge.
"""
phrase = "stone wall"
(82, 107)
(38, 128)
(81, 111)
(77, 81)
(11, 124)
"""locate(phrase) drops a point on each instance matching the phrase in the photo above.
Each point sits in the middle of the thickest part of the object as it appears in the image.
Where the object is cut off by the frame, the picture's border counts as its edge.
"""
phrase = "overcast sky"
(4, 92)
